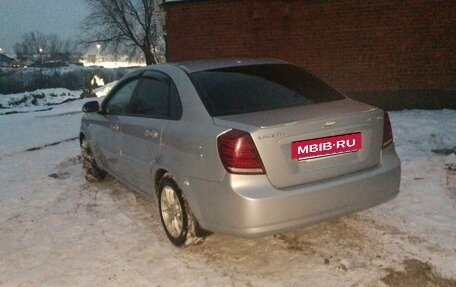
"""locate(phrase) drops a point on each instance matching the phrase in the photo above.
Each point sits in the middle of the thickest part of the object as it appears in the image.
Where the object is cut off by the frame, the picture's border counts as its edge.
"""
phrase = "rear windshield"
(247, 89)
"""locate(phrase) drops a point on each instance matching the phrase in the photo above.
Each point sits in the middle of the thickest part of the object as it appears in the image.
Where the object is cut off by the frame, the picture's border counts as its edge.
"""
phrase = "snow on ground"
(44, 99)
(38, 100)
(58, 230)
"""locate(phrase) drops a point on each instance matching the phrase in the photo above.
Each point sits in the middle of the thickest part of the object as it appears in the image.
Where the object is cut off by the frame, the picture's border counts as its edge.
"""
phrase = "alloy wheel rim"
(171, 211)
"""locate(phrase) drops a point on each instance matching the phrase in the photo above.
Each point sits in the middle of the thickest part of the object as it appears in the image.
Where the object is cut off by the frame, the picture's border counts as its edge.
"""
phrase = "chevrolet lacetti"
(247, 147)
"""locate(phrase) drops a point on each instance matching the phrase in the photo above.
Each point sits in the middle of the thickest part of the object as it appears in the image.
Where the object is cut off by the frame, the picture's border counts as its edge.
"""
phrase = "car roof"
(205, 65)
(211, 64)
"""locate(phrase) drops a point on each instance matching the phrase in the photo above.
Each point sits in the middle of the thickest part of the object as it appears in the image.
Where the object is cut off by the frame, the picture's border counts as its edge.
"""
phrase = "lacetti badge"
(327, 146)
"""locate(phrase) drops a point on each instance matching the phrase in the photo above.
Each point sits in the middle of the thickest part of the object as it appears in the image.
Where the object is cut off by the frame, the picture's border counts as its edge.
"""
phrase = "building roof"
(5, 59)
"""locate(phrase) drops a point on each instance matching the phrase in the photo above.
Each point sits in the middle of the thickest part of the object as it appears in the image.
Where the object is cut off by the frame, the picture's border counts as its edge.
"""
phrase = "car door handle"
(151, 134)
(114, 127)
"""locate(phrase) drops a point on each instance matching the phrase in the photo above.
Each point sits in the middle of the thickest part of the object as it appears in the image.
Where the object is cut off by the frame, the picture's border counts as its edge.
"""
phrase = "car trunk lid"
(275, 131)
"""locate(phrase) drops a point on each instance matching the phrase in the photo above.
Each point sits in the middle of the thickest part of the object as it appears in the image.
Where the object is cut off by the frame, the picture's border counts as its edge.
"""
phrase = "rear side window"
(246, 89)
(152, 98)
(157, 97)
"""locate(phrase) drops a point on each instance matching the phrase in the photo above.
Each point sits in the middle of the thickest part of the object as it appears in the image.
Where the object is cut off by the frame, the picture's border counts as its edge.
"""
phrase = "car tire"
(179, 224)
(92, 171)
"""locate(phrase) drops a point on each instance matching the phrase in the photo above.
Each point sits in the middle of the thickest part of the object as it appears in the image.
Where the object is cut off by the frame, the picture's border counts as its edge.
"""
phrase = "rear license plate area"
(326, 146)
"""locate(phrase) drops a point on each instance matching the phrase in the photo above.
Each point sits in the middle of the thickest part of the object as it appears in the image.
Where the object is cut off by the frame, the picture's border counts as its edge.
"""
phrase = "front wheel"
(91, 170)
(178, 222)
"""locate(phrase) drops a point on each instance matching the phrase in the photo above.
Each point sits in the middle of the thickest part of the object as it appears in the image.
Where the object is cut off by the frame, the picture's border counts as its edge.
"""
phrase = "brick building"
(392, 53)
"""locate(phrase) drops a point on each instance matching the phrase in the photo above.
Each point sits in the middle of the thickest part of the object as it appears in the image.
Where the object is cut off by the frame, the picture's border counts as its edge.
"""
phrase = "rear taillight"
(238, 153)
(387, 131)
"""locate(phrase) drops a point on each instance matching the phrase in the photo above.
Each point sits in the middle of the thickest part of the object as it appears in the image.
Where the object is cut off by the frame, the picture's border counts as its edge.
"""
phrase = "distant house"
(371, 50)
(6, 61)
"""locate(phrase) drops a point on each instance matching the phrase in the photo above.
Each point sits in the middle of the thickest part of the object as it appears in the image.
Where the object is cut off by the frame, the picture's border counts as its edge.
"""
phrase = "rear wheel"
(179, 224)
(91, 170)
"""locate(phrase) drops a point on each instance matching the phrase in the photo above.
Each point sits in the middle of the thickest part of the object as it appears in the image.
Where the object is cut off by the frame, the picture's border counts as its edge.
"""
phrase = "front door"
(107, 140)
(109, 131)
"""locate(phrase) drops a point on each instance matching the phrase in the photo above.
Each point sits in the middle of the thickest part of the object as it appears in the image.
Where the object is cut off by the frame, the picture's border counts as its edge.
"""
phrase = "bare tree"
(32, 43)
(55, 46)
(35, 44)
(123, 25)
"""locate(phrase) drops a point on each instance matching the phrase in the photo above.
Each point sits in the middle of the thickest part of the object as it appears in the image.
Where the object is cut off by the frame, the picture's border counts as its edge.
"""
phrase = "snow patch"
(38, 100)
(450, 162)
(418, 132)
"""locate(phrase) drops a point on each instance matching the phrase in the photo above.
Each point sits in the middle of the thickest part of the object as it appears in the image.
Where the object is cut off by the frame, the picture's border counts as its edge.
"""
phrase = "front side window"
(247, 89)
(119, 103)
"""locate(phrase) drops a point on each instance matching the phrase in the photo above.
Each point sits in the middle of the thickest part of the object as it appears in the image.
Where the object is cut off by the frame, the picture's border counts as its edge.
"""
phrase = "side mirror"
(91, 107)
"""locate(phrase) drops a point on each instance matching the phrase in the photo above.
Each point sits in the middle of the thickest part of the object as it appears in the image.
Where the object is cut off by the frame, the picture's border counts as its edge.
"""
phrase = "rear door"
(154, 105)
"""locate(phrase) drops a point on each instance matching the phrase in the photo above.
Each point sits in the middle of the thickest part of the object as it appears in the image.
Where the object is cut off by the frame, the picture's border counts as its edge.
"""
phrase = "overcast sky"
(60, 17)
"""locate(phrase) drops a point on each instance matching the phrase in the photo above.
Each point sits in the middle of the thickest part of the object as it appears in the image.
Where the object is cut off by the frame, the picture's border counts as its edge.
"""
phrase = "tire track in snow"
(39, 147)
(51, 144)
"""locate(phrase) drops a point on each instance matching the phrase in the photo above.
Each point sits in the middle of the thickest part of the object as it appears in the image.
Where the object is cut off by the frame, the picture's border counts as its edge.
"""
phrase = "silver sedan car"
(246, 147)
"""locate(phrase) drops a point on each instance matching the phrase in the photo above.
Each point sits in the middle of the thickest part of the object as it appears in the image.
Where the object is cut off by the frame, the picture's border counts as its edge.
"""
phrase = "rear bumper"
(249, 206)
